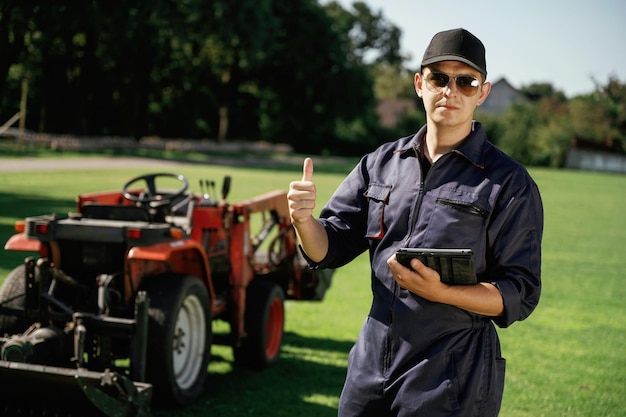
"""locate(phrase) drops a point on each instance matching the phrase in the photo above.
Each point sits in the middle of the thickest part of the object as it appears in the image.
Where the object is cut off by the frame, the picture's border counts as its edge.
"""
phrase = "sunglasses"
(466, 84)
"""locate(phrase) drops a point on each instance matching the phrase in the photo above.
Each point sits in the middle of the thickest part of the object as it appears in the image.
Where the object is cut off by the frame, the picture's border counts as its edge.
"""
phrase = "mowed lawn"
(567, 359)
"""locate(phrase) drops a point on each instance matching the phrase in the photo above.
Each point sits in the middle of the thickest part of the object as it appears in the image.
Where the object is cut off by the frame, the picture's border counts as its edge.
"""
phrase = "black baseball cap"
(456, 45)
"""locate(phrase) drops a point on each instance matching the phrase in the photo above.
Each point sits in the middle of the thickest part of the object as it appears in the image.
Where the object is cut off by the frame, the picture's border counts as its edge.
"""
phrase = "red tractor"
(120, 300)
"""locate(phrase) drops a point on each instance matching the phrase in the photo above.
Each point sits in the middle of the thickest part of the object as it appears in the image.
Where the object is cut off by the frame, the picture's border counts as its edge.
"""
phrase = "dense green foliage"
(289, 71)
(539, 132)
(276, 70)
(565, 360)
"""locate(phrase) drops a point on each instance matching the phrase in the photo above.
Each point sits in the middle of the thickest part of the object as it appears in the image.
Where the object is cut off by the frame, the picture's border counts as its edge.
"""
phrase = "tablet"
(455, 266)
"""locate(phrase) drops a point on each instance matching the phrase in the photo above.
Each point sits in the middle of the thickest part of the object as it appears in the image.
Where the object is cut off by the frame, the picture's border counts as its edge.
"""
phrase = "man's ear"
(417, 82)
(484, 92)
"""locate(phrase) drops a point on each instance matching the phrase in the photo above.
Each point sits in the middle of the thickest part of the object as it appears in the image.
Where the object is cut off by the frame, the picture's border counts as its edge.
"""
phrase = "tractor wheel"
(179, 338)
(12, 295)
(264, 323)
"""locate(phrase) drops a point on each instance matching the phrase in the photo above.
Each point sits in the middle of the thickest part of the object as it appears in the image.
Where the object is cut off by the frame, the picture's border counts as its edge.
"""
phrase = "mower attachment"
(49, 390)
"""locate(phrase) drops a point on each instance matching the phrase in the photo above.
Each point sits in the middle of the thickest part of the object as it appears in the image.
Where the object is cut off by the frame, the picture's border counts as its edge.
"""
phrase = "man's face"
(447, 105)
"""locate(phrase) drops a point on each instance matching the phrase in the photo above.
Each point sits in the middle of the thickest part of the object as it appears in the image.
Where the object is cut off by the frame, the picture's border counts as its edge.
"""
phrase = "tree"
(392, 81)
(367, 36)
(278, 70)
(538, 91)
(613, 95)
(16, 18)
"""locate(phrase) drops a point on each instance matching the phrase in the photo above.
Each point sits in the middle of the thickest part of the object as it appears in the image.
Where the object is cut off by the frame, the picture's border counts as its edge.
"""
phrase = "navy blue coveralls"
(414, 357)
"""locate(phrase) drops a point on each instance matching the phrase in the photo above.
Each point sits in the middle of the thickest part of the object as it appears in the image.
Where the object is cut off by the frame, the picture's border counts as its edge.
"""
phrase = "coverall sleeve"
(515, 234)
(345, 219)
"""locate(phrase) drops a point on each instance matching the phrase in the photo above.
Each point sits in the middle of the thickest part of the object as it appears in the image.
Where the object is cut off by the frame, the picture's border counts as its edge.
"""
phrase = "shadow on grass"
(302, 383)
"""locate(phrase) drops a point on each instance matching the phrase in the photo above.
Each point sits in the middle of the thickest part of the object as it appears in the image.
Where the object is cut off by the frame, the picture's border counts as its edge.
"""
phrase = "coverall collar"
(472, 147)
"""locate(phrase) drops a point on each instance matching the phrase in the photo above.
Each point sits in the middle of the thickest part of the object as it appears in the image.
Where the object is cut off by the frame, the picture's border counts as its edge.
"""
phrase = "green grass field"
(567, 359)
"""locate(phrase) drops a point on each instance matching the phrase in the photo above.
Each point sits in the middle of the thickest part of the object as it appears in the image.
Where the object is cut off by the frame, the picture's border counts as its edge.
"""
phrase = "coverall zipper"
(420, 197)
(396, 289)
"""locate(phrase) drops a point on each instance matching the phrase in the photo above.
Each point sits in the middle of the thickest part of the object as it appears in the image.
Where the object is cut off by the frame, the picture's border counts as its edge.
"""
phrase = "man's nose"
(450, 89)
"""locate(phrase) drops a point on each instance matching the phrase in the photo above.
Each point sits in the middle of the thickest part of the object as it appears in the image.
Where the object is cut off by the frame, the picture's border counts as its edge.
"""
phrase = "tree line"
(284, 71)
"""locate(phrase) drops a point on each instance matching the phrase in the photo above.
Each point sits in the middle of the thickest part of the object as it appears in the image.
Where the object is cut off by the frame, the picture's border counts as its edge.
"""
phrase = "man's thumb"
(307, 169)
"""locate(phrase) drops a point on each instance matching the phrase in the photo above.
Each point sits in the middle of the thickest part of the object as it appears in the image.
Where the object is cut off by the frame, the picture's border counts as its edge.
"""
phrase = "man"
(428, 348)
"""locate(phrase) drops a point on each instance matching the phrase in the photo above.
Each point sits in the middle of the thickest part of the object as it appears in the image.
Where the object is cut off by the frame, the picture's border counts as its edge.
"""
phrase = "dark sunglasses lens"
(438, 79)
(466, 84)
(465, 81)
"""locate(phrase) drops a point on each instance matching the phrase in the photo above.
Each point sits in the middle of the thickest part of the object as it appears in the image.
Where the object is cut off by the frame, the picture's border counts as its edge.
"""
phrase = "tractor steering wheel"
(151, 194)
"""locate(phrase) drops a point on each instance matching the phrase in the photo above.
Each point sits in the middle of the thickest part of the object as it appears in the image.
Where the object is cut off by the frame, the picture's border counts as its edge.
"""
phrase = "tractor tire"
(264, 325)
(12, 295)
(179, 338)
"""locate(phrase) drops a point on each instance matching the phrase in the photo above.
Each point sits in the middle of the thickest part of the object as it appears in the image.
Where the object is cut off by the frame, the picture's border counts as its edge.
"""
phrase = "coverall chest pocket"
(378, 198)
(458, 218)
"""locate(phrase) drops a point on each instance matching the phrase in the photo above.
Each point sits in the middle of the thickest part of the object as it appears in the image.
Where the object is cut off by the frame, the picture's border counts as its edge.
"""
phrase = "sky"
(573, 45)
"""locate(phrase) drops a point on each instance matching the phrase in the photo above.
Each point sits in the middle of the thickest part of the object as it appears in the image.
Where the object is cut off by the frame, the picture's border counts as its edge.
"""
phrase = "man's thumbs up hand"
(301, 195)
(307, 170)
